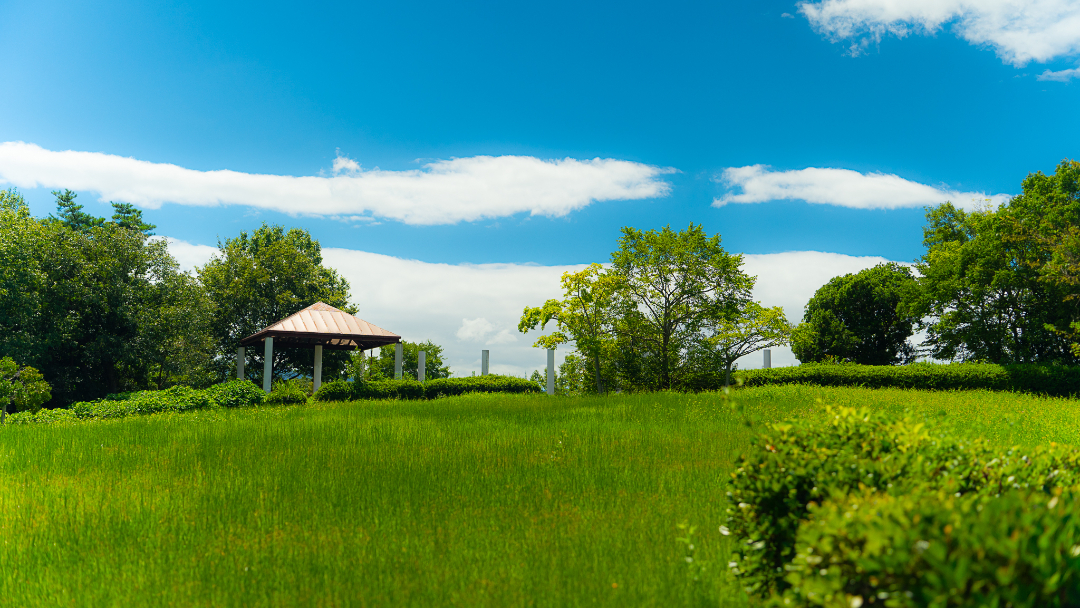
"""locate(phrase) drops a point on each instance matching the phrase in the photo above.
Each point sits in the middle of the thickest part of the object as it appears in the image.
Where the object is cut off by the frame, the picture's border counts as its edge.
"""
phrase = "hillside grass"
(479, 500)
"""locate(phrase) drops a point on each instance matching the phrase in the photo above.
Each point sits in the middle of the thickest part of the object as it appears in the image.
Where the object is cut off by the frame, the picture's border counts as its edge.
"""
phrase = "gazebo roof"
(322, 324)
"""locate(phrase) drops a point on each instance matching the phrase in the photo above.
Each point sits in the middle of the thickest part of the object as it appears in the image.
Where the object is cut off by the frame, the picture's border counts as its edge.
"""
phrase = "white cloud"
(1060, 76)
(188, 255)
(460, 305)
(441, 192)
(841, 187)
(1019, 31)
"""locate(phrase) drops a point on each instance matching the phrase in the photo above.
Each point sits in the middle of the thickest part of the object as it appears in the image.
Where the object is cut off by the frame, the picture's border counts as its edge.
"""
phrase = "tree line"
(672, 310)
(99, 306)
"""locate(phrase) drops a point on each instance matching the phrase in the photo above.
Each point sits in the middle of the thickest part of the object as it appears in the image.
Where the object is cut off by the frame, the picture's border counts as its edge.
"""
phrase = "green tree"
(260, 278)
(71, 214)
(21, 387)
(859, 317)
(383, 365)
(676, 281)
(126, 215)
(998, 285)
(726, 339)
(586, 315)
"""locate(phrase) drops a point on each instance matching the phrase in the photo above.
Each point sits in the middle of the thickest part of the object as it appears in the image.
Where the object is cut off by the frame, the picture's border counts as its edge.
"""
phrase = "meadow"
(490, 500)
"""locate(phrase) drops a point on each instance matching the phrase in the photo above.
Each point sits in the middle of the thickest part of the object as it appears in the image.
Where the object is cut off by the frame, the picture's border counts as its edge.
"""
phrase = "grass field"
(476, 500)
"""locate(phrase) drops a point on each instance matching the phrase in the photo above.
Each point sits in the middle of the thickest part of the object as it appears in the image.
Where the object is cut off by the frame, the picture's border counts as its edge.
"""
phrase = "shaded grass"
(476, 500)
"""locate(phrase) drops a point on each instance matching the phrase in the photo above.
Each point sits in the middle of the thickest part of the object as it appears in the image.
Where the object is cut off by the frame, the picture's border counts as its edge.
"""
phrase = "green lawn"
(474, 500)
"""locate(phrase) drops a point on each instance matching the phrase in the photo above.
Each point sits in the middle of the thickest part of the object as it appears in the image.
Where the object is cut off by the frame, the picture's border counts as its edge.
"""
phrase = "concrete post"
(268, 362)
(397, 361)
(316, 380)
(421, 360)
(484, 358)
(768, 358)
(551, 372)
(240, 363)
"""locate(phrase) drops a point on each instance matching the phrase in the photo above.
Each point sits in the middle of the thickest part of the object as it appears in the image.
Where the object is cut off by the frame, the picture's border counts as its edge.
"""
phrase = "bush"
(1053, 380)
(939, 549)
(795, 465)
(338, 390)
(445, 387)
(236, 393)
(287, 393)
(441, 387)
(24, 388)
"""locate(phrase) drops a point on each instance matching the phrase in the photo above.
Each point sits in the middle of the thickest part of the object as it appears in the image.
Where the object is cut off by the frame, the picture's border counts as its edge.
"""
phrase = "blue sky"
(950, 100)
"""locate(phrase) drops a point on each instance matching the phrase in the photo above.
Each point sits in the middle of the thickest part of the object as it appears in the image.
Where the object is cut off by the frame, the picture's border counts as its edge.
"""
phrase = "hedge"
(432, 389)
(235, 393)
(794, 494)
(1053, 380)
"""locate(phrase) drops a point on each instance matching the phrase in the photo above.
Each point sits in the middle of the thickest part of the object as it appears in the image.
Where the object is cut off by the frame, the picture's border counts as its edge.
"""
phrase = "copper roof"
(323, 324)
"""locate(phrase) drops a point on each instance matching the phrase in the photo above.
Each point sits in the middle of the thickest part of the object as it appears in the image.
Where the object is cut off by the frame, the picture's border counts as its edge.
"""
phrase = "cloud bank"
(841, 187)
(470, 307)
(441, 192)
(1059, 76)
(1020, 31)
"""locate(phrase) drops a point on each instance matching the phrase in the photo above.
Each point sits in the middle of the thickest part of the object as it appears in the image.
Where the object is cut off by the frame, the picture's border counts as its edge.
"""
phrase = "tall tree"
(753, 329)
(859, 317)
(260, 278)
(676, 280)
(586, 315)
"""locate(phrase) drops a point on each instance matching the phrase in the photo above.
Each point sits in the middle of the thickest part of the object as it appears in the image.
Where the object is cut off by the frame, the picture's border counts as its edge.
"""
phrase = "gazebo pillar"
(316, 380)
(268, 362)
(240, 363)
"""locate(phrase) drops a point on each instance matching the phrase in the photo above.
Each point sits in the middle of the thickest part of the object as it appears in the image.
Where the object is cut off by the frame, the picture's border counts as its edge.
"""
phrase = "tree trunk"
(727, 375)
(599, 384)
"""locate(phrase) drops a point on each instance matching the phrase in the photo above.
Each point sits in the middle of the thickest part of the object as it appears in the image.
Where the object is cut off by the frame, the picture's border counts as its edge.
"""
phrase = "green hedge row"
(432, 389)
(235, 393)
(858, 507)
(1054, 380)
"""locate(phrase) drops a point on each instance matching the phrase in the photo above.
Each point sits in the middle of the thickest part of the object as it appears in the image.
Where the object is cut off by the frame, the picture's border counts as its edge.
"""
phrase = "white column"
(421, 360)
(484, 358)
(268, 362)
(316, 380)
(551, 372)
(397, 361)
(768, 358)
(240, 363)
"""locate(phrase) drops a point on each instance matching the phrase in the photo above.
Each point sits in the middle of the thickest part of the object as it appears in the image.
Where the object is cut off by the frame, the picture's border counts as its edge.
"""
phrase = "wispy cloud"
(441, 192)
(1019, 31)
(841, 187)
(1059, 76)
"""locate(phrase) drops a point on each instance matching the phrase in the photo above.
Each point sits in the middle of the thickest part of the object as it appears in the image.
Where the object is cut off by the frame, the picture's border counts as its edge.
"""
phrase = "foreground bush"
(338, 390)
(1053, 380)
(235, 393)
(287, 393)
(794, 466)
(939, 549)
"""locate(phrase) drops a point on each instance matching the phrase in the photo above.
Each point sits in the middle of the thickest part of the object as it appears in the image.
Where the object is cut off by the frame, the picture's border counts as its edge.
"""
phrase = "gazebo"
(318, 326)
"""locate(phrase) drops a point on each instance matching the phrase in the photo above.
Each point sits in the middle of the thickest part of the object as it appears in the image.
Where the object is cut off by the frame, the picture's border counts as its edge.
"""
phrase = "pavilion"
(318, 326)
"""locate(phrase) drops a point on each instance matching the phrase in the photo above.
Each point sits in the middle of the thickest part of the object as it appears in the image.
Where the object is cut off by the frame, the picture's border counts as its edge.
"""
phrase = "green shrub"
(338, 390)
(445, 387)
(236, 393)
(388, 389)
(1053, 380)
(22, 388)
(42, 416)
(793, 465)
(938, 549)
(287, 393)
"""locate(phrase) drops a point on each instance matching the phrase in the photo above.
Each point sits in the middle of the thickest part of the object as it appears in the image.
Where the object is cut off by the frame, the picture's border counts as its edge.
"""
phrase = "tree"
(71, 214)
(260, 278)
(126, 215)
(755, 328)
(21, 387)
(859, 317)
(675, 281)
(999, 285)
(383, 365)
(585, 315)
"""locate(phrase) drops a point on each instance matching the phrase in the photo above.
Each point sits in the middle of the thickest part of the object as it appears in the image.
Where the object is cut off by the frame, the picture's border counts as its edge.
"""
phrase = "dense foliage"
(795, 501)
(1055, 380)
(673, 311)
(859, 318)
(408, 388)
(21, 388)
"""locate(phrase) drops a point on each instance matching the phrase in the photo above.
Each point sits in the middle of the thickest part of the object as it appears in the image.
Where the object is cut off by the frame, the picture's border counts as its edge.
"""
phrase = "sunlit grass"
(476, 500)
